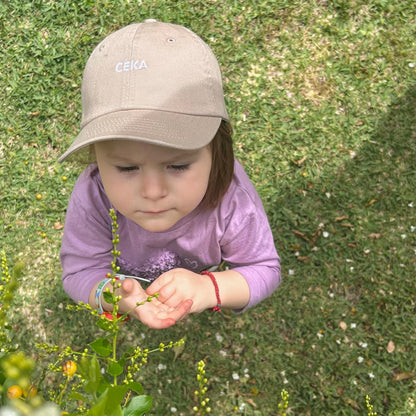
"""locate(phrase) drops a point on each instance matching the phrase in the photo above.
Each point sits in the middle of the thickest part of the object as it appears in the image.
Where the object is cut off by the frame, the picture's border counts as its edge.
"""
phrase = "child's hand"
(154, 314)
(178, 286)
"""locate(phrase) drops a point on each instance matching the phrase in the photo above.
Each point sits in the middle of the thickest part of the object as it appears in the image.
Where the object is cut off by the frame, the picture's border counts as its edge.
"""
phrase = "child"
(154, 117)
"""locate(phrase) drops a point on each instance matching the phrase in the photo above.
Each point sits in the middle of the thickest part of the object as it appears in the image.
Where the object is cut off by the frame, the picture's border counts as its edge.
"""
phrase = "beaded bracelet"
(98, 294)
(217, 291)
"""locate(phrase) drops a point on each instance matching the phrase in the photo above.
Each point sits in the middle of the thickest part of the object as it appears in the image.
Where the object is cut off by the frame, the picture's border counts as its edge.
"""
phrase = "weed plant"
(322, 97)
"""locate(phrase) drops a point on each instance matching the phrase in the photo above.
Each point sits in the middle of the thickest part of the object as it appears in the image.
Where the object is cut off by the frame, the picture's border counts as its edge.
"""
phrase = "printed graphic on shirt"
(153, 267)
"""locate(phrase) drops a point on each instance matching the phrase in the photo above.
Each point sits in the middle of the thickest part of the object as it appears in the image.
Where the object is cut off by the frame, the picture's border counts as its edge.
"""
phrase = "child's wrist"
(217, 307)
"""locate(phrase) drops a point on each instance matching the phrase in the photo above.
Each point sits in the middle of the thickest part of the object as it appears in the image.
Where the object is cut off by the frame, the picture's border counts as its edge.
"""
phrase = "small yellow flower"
(39, 196)
(69, 368)
(14, 392)
(64, 178)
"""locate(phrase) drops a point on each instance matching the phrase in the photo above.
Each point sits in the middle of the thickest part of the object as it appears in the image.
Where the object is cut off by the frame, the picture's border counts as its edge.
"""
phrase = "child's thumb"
(127, 286)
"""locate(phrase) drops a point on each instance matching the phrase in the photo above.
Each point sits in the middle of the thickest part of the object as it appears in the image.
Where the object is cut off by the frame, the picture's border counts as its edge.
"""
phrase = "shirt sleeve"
(248, 245)
(87, 241)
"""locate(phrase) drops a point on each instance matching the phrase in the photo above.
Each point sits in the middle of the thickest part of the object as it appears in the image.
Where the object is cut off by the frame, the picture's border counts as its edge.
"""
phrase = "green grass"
(322, 97)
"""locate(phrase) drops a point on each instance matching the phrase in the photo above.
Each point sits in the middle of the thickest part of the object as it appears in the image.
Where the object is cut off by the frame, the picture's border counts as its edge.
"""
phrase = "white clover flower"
(403, 236)
(223, 353)
(291, 272)
(325, 234)
(173, 409)
(371, 375)
(363, 344)
(218, 337)
(235, 376)
(353, 325)
(360, 359)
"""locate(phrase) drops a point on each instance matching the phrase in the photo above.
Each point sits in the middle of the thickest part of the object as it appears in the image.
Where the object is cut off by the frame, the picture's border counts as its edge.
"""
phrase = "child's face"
(154, 186)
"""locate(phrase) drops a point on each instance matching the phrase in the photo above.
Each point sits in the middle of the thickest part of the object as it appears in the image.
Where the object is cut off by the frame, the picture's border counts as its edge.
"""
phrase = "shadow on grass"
(352, 259)
(302, 338)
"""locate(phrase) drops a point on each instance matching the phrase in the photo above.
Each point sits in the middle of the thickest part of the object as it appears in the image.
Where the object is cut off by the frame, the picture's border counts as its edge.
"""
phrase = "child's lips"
(155, 212)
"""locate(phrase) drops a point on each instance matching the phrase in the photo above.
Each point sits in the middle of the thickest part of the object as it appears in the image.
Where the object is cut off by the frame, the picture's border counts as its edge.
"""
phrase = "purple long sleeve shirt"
(236, 231)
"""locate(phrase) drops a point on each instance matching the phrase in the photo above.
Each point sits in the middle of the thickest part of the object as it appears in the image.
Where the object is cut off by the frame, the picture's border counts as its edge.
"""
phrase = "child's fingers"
(157, 285)
(166, 319)
(182, 310)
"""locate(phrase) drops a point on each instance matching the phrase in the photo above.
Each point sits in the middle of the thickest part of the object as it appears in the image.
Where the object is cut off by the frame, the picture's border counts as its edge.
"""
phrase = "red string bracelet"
(217, 291)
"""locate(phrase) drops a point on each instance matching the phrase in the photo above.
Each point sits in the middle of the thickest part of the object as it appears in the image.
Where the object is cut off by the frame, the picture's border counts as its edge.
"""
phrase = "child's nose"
(153, 185)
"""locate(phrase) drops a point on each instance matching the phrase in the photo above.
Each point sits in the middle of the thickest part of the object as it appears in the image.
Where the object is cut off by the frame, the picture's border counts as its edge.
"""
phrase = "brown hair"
(222, 166)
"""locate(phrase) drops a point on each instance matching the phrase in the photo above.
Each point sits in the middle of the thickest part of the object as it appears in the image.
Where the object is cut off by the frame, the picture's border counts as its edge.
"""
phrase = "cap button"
(150, 21)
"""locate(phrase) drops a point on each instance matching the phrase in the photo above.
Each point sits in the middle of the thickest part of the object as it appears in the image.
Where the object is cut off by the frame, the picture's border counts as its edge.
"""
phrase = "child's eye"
(127, 168)
(180, 167)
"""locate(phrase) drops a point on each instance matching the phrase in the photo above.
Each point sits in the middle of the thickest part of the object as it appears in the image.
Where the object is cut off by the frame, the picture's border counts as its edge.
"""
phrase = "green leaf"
(114, 368)
(136, 387)
(98, 408)
(108, 297)
(115, 395)
(104, 324)
(102, 347)
(178, 349)
(138, 405)
(77, 396)
(89, 369)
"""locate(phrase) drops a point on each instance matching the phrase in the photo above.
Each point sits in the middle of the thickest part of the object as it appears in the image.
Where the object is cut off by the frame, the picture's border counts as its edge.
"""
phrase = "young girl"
(154, 117)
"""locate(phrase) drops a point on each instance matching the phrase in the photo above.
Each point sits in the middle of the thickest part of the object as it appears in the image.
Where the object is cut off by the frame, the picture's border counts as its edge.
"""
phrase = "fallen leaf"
(375, 235)
(300, 162)
(343, 325)
(390, 347)
(403, 376)
(352, 403)
(370, 202)
(252, 402)
(58, 225)
(301, 235)
(304, 259)
(344, 217)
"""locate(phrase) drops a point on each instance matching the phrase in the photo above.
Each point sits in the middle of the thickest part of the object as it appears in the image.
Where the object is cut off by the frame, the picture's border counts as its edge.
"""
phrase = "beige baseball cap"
(153, 82)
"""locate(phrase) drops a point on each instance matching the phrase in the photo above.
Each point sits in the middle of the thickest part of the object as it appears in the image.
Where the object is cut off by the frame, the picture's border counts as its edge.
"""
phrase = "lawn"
(322, 98)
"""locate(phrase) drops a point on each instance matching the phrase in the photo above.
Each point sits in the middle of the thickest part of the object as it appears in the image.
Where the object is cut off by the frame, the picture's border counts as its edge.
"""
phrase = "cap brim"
(168, 129)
